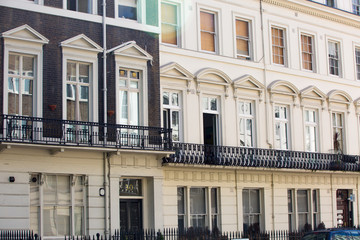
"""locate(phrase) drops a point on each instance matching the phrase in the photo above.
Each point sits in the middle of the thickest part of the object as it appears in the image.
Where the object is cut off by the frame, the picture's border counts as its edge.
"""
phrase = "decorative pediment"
(312, 92)
(338, 96)
(247, 82)
(213, 76)
(25, 33)
(283, 88)
(176, 71)
(131, 49)
(81, 42)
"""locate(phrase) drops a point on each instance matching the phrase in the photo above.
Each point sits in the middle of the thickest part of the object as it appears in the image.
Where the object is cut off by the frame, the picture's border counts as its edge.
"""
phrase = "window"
(306, 208)
(281, 127)
(357, 59)
(211, 117)
(129, 83)
(57, 206)
(338, 130)
(85, 6)
(77, 91)
(311, 130)
(246, 123)
(251, 209)
(203, 207)
(128, 9)
(330, 3)
(243, 43)
(21, 77)
(307, 52)
(278, 45)
(356, 6)
(334, 58)
(208, 31)
(169, 24)
(171, 113)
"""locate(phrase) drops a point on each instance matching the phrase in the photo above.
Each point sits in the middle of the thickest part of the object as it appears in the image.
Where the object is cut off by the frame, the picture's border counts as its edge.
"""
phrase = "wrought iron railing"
(258, 157)
(18, 235)
(36, 130)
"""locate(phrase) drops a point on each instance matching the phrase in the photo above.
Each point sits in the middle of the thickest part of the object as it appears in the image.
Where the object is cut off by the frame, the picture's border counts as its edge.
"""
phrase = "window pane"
(27, 98)
(63, 220)
(14, 64)
(70, 107)
(169, 34)
(123, 107)
(122, 73)
(28, 66)
(197, 201)
(78, 220)
(63, 190)
(181, 200)
(165, 98)
(214, 202)
(213, 104)
(134, 84)
(302, 201)
(175, 125)
(128, 12)
(207, 41)
(134, 103)
(242, 28)
(50, 190)
(84, 6)
(13, 96)
(84, 73)
(79, 190)
(168, 13)
(246, 207)
(71, 72)
(254, 201)
(175, 99)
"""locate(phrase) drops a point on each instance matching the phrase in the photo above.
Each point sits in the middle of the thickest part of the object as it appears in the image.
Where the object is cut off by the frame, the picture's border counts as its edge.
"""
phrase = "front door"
(131, 214)
(344, 208)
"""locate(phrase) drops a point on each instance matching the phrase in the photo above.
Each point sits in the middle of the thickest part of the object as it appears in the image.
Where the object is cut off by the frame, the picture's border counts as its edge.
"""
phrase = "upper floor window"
(338, 132)
(78, 84)
(129, 84)
(278, 45)
(311, 131)
(251, 209)
(85, 6)
(171, 113)
(243, 41)
(334, 58)
(307, 52)
(128, 9)
(357, 59)
(208, 31)
(330, 3)
(281, 127)
(246, 123)
(169, 24)
(356, 6)
(21, 77)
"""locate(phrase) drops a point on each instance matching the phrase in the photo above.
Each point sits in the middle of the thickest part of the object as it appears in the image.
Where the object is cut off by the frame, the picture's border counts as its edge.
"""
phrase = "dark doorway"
(130, 214)
(210, 129)
(344, 208)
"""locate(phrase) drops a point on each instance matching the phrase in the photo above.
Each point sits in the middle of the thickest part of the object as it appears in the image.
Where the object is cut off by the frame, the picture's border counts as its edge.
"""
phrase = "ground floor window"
(57, 204)
(251, 209)
(198, 207)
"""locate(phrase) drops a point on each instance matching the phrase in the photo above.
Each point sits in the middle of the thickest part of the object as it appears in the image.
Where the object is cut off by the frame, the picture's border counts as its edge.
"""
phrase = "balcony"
(33, 130)
(186, 153)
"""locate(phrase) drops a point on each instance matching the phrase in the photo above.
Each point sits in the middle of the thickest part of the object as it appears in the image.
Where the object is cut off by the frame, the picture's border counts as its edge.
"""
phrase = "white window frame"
(172, 108)
(357, 62)
(140, 11)
(313, 56)
(208, 212)
(250, 57)
(285, 47)
(283, 121)
(94, 6)
(260, 214)
(253, 117)
(216, 112)
(178, 22)
(87, 57)
(40, 181)
(338, 59)
(341, 128)
(24, 46)
(310, 201)
(217, 33)
(312, 125)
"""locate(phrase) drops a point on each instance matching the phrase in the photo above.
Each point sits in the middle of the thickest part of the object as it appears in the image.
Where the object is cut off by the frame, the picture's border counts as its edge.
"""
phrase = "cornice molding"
(313, 12)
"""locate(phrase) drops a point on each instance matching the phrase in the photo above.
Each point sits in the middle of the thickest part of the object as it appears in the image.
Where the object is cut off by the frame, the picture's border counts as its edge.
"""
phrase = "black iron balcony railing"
(257, 157)
(35, 130)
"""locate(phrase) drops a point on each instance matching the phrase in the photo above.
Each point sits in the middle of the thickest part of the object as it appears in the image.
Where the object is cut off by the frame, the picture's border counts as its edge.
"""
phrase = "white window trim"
(340, 64)
(316, 125)
(286, 44)
(251, 41)
(289, 125)
(29, 47)
(313, 56)
(179, 34)
(178, 108)
(217, 21)
(261, 201)
(94, 6)
(219, 112)
(343, 131)
(140, 12)
(254, 103)
(86, 56)
(356, 46)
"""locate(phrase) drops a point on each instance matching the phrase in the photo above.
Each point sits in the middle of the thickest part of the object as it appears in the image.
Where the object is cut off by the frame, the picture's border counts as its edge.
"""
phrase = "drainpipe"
(105, 155)
(267, 127)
